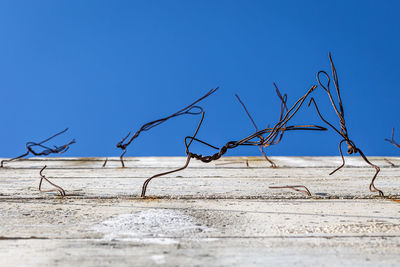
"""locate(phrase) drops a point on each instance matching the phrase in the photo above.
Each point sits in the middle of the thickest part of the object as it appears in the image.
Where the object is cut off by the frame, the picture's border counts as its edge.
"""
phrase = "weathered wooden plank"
(218, 182)
(328, 187)
(69, 218)
(212, 232)
(195, 173)
(175, 162)
(226, 215)
(279, 251)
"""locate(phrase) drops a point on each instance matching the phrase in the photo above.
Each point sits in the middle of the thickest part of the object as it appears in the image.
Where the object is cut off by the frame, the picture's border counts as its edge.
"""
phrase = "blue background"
(104, 68)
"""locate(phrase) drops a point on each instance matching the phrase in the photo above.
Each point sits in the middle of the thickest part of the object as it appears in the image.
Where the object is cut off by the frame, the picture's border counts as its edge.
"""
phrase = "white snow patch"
(158, 226)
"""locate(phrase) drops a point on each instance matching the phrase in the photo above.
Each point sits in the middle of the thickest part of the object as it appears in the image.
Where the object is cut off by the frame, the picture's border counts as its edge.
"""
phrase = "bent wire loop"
(351, 147)
(273, 141)
(31, 146)
(192, 109)
(270, 133)
(57, 188)
(392, 140)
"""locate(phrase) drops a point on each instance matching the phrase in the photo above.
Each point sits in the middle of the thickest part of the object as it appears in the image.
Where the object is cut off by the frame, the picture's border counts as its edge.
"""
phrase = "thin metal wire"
(57, 188)
(389, 162)
(247, 141)
(273, 141)
(279, 127)
(190, 110)
(146, 183)
(295, 188)
(351, 147)
(273, 165)
(47, 150)
(105, 162)
(392, 140)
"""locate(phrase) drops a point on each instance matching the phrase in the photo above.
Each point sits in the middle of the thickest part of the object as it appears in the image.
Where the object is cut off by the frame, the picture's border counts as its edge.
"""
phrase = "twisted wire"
(191, 109)
(46, 150)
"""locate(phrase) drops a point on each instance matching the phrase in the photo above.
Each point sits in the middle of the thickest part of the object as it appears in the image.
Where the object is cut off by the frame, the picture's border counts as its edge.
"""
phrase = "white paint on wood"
(207, 215)
(150, 226)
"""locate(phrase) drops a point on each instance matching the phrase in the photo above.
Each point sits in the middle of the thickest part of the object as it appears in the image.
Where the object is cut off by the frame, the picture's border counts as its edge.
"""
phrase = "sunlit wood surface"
(217, 214)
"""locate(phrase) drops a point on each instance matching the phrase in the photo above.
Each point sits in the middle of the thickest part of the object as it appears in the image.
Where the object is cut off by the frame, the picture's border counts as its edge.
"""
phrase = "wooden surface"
(217, 214)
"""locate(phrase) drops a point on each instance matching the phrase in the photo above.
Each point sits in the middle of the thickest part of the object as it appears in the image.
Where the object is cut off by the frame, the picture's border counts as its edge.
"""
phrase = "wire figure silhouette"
(351, 147)
(273, 141)
(57, 188)
(192, 109)
(31, 146)
(270, 133)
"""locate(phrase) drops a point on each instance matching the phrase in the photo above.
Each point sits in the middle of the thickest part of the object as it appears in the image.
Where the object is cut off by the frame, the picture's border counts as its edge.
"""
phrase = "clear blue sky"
(104, 68)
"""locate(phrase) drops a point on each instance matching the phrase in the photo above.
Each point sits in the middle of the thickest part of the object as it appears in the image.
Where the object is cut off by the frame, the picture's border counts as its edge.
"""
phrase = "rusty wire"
(145, 184)
(389, 162)
(392, 140)
(47, 150)
(57, 188)
(105, 162)
(190, 110)
(351, 147)
(273, 141)
(247, 141)
(295, 188)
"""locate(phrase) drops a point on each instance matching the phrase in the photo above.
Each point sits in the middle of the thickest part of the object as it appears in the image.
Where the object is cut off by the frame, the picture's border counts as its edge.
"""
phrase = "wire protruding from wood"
(105, 163)
(295, 188)
(192, 109)
(270, 133)
(146, 183)
(351, 147)
(273, 141)
(46, 150)
(56, 189)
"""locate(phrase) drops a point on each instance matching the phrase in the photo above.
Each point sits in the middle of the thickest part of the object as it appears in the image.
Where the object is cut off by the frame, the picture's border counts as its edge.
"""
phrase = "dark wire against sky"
(105, 68)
